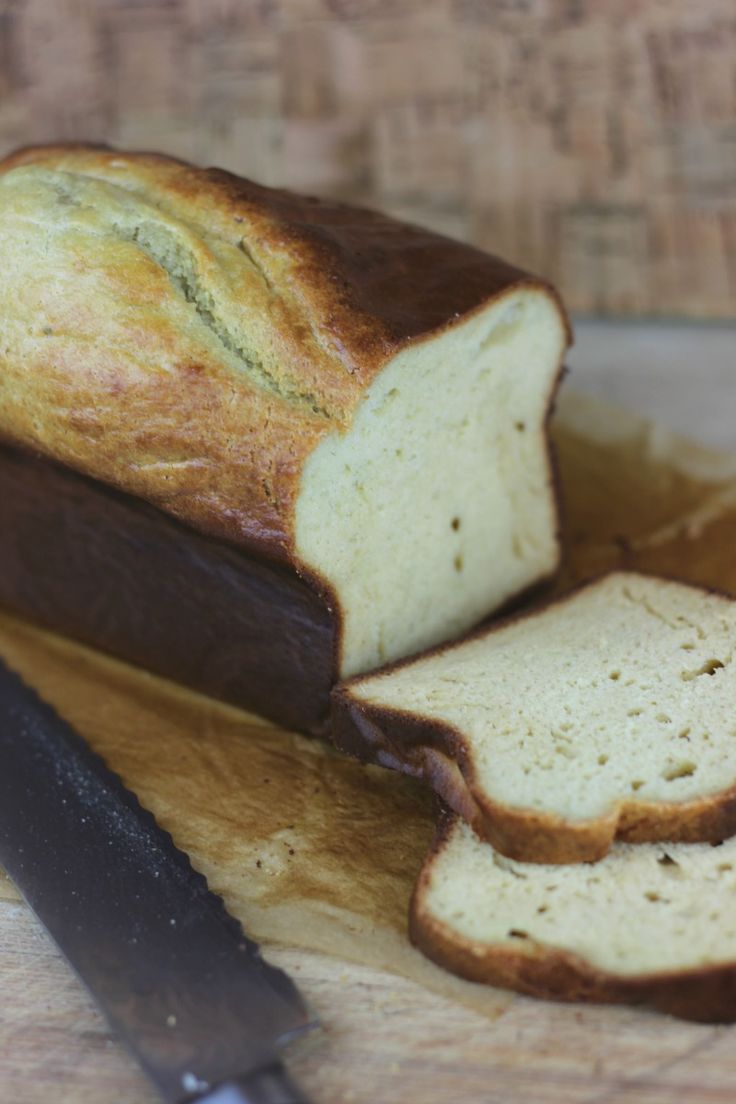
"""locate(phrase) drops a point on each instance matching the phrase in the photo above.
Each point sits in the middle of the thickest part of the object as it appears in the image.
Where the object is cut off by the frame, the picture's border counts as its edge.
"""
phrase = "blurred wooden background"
(592, 140)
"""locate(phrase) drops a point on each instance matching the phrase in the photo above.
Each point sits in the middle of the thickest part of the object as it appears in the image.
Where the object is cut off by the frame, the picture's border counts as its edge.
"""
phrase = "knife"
(179, 982)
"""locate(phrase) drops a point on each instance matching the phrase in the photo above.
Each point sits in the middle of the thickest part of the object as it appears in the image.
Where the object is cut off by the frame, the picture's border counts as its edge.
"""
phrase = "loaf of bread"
(355, 407)
(608, 712)
(649, 924)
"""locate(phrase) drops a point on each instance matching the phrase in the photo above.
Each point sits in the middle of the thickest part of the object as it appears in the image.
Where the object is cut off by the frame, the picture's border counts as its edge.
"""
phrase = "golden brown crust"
(707, 995)
(427, 748)
(153, 405)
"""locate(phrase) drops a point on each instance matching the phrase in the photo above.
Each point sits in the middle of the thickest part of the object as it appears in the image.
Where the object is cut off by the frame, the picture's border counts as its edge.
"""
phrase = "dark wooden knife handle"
(271, 1085)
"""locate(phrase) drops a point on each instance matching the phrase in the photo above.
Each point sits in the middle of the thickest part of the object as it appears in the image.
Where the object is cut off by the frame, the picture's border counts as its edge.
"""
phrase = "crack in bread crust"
(180, 266)
(164, 238)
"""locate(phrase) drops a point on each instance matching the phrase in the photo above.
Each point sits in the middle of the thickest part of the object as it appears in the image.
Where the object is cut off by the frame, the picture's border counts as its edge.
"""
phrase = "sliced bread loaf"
(609, 712)
(360, 402)
(649, 923)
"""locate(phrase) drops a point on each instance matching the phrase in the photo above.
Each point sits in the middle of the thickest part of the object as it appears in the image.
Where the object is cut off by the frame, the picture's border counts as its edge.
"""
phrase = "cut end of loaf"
(438, 505)
(607, 713)
(650, 923)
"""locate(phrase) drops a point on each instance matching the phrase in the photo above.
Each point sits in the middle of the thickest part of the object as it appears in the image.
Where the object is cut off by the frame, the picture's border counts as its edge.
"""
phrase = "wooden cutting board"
(385, 1040)
(336, 873)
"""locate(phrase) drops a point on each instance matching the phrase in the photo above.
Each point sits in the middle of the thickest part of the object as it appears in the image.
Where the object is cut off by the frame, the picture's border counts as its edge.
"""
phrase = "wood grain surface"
(385, 1041)
(591, 140)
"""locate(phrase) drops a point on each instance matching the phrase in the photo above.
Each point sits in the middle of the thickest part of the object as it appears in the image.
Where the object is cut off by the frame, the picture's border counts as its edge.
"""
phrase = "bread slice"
(608, 712)
(648, 924)
(362, 402)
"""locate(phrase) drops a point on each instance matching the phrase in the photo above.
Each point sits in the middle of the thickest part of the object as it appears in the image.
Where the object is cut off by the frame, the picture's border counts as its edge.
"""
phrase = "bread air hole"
(455, 524)
(679, 770)
(669, 865)
(458, 562)
(516, 933)
(637, 784)
(615, 676)
(709, 668)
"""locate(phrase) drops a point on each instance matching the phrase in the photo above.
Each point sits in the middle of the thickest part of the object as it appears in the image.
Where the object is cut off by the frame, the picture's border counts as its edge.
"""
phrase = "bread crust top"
(189, 336)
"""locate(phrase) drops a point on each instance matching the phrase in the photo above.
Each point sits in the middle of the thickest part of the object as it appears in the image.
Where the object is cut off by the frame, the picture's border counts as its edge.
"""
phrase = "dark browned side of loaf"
(707, 995)
(96, 564)
(437, 752)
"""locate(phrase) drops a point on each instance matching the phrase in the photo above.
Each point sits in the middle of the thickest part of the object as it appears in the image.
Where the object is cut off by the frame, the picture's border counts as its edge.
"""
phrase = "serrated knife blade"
(175, 975)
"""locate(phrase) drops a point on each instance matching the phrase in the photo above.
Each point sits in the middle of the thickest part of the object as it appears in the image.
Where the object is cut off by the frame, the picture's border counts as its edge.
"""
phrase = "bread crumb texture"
(643, 909)
(438, 505)
(605, 704)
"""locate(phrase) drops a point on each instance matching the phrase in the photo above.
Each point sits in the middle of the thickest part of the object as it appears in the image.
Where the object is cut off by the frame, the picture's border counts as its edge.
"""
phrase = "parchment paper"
(310, 849)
